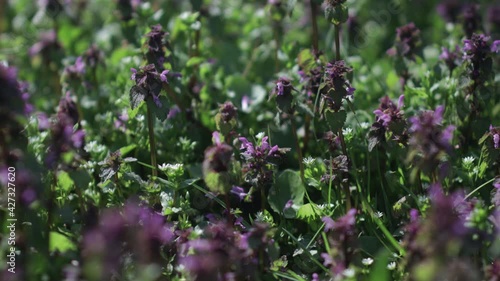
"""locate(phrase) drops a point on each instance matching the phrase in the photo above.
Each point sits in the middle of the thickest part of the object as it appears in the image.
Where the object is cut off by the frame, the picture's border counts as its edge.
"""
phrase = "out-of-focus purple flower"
(68, 109)
(493, 271)
(495, 135)
(245, 103)
(11, 99)
(93, 56)
(173, 112)
(228, 111)
(64, 139)
(429, 139)
(449, 10)
(333, 141)
(407, 42)
(121, 121)
(28, 107)
(47, 47)
(43, 122)
(494, 17)
(388, 112)
(240, 192)
(471, 19)
(283, 87)
(450, 58)
(448, 213)
(217, 164)
(344, 225)
(315, 277)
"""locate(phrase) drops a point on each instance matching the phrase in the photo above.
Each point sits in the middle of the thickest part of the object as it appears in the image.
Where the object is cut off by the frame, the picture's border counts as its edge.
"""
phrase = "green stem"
(299, 150)
(152, 144)
(314, 25)
(337, 42)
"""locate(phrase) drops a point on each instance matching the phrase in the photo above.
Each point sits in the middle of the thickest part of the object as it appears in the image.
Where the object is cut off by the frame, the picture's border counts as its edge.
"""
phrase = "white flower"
(391, 266)
(468, 160)
(367, 261)
(308, 160)
(260, 135)
(94, 147)
(364, 125)
(349, 273)
(379, 214)
(347, 131)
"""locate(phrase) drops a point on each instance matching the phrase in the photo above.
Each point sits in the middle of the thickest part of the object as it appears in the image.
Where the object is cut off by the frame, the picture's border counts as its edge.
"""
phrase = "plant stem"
(337, 42)
(299, 151)
(346, 183)
(314, 25)
(152, 144)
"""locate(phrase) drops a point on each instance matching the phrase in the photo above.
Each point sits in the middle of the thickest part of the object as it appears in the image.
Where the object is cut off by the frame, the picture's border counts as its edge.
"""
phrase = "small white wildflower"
(163, 167)
(349, 273)
(140, 117)
(391, 266)
(380, 214)
(308, 160)
(364, 125)
(367, 261)
(468, 160)
(346, 131)
(260, 135)
(94, 147)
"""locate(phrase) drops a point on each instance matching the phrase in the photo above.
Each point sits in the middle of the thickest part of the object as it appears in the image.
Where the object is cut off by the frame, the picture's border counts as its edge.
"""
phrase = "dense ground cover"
(250, 140)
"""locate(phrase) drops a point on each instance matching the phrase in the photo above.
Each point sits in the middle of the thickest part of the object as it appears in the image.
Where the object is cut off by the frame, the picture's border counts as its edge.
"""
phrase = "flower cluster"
(471, 19)
(68, 109)
(64, 139)
(11, 98)
(155, 46)
(389, 118)
(225, 254)
(495, 136)
(451, 57)
(442, 232)
(130, 229)
(477, 51)
(341, 236)
(258, 160)
(47, 47)
(450, 10)
(428, 140)
(337, 86)
(148, 84)
(217, 166)
(407, 42)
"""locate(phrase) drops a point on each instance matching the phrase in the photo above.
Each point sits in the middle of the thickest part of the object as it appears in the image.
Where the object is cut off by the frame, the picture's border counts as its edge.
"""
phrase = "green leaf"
(64, 181)
(380, 271)
(336, 120)
(288, 186)
(308, 212)
(61, 243)
(137, 96)
(218, 182)
(160, 112)
(126, 149)
(195, 61)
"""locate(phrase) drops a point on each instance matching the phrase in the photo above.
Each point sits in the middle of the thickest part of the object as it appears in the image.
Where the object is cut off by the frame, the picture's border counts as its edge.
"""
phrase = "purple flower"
(259, 159)
(493, 271)
(343, 226)
(47, 47)
(495, 134)
(68, 109)
(93, 56)
(63, 139)
(471, 19)
(388, 112)
(43, 122)
(228, 111)
(77, 70)
(148, 83)
(450, 58)
(407, 42)
(156, 45)
(240, 192)
(173, 112)
(121, 121)
(429, 139)
(449, 10)
(283, 87)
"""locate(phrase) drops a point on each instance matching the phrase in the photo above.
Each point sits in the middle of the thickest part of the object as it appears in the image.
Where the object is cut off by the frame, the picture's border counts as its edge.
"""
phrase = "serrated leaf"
(61, 243)
(160, 112)
(288, 186)
(308, 212)
(137, 96)
(336, 120)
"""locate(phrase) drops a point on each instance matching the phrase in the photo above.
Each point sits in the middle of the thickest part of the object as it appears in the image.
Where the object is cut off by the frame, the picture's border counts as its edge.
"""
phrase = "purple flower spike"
(240, 192)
